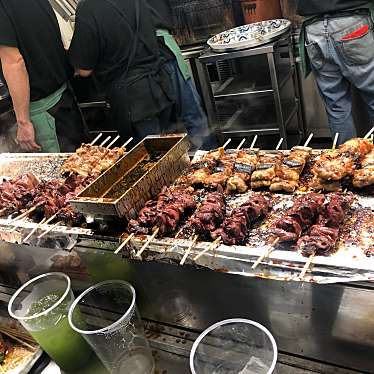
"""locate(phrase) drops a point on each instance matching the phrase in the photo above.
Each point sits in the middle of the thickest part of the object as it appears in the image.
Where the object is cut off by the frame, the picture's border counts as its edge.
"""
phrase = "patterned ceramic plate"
(248, 36)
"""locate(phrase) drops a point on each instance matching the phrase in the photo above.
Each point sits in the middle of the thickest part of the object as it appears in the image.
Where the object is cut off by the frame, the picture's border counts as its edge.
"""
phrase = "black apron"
(141, 92)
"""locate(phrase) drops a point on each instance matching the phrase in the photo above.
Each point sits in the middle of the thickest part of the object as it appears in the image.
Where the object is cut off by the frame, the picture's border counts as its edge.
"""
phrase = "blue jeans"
(341, 52)
(190, 110)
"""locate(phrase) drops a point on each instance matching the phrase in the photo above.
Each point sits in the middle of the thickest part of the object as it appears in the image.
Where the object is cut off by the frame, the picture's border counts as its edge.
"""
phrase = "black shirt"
(32, 27)
(161, 13)
(318, 7)
(103, 39)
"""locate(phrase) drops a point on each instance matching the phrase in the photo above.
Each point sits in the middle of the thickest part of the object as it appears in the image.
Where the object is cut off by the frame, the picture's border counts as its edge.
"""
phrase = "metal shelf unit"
(261, 79)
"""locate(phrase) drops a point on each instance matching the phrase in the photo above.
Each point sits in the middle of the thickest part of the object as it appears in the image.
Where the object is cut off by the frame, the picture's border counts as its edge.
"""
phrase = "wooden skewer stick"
(105, 141)
(188, 251)
(147, 243)
(127, 142)
(24, 336)
(227, 143)
(308, 140)
(49, 229)
(254, 142)
(279, 144)
(18, 340)
(112, 142)
(123, 244)
(51, 218)
(179, 232)
(367, 136)
(37, 227)
(307, 266)
(96, 139)
(266, 254)
(335, 141)
(211, 247)
(25, 214)
(241, 144)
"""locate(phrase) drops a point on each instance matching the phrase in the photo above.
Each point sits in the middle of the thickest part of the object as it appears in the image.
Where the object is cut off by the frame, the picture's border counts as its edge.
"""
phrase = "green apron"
(174, 48)
(44, 123)
(308, 21)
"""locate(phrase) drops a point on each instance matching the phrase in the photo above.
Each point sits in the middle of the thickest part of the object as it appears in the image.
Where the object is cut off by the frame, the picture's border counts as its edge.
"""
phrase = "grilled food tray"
(136, 178)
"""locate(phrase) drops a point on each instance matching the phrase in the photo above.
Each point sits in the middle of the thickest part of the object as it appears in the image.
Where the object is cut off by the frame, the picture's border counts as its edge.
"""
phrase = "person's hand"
(26, 136)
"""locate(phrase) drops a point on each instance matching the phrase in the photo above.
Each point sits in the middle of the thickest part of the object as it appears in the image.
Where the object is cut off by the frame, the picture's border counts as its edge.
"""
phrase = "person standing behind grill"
(188, 102)
(36, 71)
(115, 40)
(337, 44)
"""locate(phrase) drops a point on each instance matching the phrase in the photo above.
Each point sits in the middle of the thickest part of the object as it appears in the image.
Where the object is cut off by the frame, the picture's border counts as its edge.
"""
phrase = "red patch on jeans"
(357, 34)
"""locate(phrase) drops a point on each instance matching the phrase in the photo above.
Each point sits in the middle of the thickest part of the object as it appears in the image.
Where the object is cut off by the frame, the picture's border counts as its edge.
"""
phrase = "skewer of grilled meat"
(322, 237)
(165, 213)
(148, 215)
(54, 195)
(265, 169)
(364, 177)
(207, 217)
(234, 229)
(16, 193)
(222, 171)
(244, 166)
(288, 173)
(198, 173)
(341, 163)
(298, 219)
(91, 160)
(171, 215)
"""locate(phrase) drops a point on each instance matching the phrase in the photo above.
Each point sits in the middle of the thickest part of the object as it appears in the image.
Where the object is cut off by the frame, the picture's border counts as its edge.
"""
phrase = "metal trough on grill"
(136, 178)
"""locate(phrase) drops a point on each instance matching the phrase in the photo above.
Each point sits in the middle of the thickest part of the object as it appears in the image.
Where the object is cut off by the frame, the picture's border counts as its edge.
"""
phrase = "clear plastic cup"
(41, 305)
(234, 346)
(107, 317)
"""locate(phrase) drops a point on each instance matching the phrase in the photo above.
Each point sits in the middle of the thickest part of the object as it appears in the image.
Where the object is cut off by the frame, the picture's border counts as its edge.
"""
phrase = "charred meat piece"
(297, 219)
(364, 177)
(209, 216)
(341, 163)
(170, 216)
(222, 171)
(288, 173)
(166, 212)
(244, 166)
(16, 193)
(265, 170)
(91, 160)
(357, 147)
(322, 237)
(320, 240)
(234, 229)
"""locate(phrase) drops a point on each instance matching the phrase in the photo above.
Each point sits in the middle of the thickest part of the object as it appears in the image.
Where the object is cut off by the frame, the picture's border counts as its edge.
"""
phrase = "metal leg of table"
(207, 95)
(277, 99)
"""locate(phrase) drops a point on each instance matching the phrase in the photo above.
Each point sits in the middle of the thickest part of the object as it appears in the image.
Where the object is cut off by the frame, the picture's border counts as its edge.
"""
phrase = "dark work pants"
(70, 125)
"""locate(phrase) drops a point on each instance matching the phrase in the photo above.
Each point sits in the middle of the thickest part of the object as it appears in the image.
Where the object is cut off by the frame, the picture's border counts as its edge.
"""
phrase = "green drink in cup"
(41, 306)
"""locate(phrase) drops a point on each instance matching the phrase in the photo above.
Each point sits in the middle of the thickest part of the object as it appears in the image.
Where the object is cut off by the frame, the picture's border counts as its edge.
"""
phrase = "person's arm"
(17, 79)
(84, 47)
(84, 73)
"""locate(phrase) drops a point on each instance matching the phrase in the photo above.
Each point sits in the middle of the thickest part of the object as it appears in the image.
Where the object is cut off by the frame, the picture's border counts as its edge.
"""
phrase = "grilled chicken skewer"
(364, 177)
(287, 174)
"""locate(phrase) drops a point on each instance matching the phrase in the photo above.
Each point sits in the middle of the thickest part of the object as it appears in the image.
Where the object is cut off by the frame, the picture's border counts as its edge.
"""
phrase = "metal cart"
(253, 91)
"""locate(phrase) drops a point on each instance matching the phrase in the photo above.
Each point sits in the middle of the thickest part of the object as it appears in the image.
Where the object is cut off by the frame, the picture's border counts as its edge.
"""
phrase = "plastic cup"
(234, 346)
(41, 305)
(107, 317)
